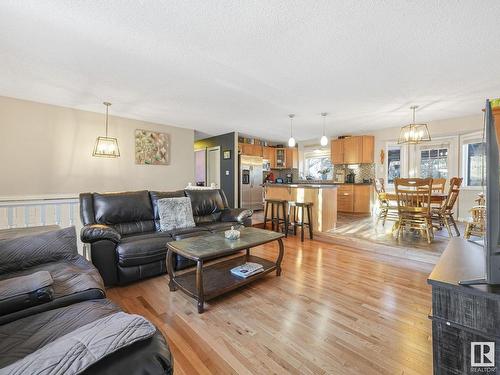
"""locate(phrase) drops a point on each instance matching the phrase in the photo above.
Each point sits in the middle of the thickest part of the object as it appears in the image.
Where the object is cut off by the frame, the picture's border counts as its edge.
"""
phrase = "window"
(474, 163)
(316, 161)
(434, 163)
(393, 164)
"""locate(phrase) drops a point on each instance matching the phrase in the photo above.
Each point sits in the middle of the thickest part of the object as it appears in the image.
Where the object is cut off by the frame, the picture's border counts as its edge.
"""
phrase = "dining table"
(436, 197)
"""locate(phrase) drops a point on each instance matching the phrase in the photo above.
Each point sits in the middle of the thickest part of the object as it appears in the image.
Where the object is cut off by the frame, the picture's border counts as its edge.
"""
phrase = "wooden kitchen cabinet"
(368, 152)
(291, 157)
(353, 198)
(337, 151)
(345, 198)
(280, 158)
(363, 198)
(353, 150)
(245, 148)
(269, 154)
(250, 150)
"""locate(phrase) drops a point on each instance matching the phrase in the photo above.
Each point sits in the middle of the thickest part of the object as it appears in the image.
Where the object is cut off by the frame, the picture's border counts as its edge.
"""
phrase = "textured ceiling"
(219, 66)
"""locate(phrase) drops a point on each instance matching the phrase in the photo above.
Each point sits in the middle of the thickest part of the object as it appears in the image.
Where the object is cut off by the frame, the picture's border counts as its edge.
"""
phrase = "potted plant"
(324, 173)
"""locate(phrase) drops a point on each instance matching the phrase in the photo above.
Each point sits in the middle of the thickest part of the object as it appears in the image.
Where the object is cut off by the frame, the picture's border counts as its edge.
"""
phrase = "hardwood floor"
(364, 232)
(366, 228)
(334, 310)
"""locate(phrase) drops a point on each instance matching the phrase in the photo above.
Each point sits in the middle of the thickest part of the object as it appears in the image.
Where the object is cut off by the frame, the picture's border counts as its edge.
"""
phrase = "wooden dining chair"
(387, 211)
(414, 205)
(438, 185)
(443, 215)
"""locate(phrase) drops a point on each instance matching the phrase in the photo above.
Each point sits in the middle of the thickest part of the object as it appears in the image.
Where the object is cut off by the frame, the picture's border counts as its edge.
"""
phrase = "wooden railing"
(19, 212)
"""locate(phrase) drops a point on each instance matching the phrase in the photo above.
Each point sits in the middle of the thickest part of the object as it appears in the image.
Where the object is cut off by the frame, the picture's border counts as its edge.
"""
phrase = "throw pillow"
(175, 213)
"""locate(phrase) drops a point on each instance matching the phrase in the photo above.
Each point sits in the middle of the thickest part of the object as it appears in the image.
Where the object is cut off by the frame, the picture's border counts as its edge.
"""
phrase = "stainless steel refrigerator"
(251, 189)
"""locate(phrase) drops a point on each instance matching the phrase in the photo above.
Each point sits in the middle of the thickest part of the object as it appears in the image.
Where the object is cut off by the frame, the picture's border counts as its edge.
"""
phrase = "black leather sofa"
(31, 333)
(77, 297)
(75, 279)
(123, 230)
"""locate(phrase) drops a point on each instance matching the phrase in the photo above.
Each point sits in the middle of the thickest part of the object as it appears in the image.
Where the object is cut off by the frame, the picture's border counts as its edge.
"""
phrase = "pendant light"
(291, 141)
(414, 133)
(324, 140)
(106, 147)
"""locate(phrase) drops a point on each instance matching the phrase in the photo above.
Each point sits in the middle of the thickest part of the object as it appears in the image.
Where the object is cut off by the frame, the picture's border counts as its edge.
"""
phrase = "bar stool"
(304, 207)
(276, 220)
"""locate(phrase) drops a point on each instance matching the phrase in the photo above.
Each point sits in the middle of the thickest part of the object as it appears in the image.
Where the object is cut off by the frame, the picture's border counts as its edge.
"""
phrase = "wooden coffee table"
(206, 282)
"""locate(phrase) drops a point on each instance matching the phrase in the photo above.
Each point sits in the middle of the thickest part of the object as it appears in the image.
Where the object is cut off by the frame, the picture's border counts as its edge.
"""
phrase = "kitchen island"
(323, 197)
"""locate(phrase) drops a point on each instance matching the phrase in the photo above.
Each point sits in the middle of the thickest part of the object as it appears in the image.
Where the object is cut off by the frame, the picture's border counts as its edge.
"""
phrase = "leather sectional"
(75, 279)
(77, 297)
(123, 230)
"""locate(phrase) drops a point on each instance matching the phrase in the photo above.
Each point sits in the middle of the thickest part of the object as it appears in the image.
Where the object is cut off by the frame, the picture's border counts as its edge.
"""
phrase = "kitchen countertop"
(313, 185)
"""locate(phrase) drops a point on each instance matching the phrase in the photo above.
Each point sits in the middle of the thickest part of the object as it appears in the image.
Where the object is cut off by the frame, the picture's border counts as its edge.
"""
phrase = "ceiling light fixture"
(106, 147)
(324, 140)
(414, 133)
(291, 141)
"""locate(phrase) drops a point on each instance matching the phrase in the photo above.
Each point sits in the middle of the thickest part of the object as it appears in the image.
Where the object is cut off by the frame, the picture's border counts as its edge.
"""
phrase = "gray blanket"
(17, 286)
(76, 351)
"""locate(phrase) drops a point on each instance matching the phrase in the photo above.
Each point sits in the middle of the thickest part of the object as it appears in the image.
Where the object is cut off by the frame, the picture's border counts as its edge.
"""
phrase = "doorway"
(213, 166)
(200, 167)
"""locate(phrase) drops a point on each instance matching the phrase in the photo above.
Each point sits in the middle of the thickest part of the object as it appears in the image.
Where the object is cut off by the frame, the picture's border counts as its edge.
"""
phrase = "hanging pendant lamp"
(324, 140)
(414, 133)
(106, 147)
(291, 140)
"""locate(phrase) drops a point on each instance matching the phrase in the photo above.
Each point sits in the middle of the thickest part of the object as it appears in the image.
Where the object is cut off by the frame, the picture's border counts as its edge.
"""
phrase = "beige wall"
(47, 150)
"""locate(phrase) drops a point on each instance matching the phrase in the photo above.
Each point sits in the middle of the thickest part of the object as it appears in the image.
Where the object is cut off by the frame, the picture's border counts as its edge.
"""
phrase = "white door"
(213, 166)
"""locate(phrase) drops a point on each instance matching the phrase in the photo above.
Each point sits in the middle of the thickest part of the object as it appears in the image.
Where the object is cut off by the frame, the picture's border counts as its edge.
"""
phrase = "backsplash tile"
(362, 171)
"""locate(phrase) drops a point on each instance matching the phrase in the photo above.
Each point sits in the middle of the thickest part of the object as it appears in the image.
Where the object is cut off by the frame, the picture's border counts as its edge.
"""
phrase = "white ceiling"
(219, 66)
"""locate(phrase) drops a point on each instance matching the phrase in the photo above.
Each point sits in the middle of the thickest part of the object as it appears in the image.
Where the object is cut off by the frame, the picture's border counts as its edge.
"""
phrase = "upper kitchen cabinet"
(280, 158)
(269, 154)
(337, 151)
(292, 157)
(250, 149)
(353, 150)
(368, 149)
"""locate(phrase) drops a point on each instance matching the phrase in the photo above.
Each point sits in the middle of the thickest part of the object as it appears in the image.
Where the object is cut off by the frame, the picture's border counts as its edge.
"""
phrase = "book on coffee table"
(248, 269)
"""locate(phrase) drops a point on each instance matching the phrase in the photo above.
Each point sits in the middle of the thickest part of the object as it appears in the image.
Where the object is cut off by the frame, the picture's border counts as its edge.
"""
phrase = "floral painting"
(152, 148)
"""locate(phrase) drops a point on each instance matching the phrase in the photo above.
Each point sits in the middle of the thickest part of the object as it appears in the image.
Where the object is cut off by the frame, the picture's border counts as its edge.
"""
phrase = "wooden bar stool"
(304, 207)
(276, 220)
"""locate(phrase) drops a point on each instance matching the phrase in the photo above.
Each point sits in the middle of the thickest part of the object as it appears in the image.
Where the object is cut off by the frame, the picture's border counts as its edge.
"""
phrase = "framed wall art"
(152, 148)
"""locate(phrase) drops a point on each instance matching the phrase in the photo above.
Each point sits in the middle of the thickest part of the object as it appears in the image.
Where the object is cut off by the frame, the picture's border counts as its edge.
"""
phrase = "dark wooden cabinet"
(462, 315)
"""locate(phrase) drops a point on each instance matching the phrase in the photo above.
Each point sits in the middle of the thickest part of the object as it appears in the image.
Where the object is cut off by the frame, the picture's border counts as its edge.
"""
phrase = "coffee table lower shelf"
(217, 278)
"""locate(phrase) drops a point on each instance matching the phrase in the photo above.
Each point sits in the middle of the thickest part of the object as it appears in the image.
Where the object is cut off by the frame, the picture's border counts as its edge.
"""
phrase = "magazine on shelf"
(248, 269)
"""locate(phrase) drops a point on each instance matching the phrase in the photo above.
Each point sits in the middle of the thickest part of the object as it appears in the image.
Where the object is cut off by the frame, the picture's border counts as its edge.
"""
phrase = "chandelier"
(106, 147)
(414, 133)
